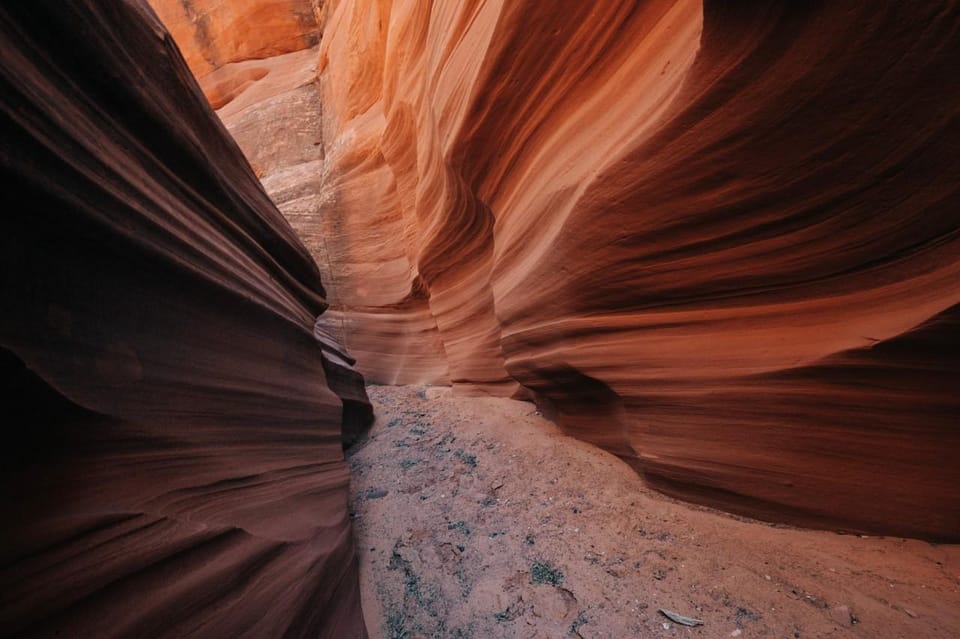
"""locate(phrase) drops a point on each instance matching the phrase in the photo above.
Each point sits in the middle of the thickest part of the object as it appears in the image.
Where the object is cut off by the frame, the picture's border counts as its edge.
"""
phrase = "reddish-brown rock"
(213, 33)
(174, 419)
(720, 239)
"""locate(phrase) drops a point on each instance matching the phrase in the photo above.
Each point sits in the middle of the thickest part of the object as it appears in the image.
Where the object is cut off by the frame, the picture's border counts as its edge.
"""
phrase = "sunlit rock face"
(719, 239)
(174, 418)
(458, 130)
(214, 33)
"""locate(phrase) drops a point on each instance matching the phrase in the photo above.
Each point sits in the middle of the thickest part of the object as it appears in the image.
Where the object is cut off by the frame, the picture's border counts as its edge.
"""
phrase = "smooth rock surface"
(174, 418)
(721, 239)
(214, 33)
(717, 239)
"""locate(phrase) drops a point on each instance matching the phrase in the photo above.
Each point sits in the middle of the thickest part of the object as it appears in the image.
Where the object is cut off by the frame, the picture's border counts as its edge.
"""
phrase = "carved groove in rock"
(737, 224)
(718, 239)
(175, 420)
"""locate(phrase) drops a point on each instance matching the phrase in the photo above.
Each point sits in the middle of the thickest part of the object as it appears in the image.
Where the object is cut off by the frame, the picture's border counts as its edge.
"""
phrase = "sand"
(476, 517)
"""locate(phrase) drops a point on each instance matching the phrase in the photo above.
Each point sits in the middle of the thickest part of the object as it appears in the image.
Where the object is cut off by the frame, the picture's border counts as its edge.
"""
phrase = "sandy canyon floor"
(478, 518)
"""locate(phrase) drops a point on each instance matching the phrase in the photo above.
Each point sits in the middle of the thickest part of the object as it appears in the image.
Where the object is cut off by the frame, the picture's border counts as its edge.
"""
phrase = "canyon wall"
(719, 239)
(175, 416)
(213, 33)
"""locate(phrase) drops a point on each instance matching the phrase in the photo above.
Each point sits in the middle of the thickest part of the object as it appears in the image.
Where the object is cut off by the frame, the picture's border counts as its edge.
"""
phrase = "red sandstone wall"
(720, 239)
(172, 463)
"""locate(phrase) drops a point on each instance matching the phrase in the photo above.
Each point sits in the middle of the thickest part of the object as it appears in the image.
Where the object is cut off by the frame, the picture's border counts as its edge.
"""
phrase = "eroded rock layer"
(213, 33)
(719, 238)
(173, 461)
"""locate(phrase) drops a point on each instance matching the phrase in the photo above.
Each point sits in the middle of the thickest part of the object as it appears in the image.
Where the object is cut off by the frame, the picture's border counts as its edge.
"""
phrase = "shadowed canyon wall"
(173, 460)
(719, 239)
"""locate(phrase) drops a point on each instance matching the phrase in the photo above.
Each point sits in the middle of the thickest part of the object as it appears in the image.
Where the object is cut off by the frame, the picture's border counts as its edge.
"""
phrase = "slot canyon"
(480, 318)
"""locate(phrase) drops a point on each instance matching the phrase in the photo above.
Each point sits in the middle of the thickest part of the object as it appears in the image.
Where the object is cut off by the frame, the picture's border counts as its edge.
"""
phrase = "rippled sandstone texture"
(718, 239)
(174, 421)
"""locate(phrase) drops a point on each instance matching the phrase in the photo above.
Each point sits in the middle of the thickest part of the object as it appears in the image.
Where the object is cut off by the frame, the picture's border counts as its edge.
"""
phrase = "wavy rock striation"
(719, 239)
(175, 420)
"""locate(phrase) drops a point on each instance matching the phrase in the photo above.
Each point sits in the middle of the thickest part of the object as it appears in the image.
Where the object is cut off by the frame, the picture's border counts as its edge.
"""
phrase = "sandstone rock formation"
(173, 462)
(212, 34)
(719, 239)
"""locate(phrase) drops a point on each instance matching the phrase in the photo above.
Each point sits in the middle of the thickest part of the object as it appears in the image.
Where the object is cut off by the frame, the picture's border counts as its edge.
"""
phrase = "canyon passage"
(484, 318)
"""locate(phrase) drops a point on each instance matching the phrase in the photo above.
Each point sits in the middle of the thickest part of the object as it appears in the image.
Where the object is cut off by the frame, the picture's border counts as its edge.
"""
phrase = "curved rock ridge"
(175, 418)
(718, 239)
(458, 132)
(721, 239)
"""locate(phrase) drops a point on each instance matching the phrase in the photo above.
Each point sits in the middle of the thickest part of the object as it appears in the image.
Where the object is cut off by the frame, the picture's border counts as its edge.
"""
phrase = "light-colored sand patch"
(478, 518)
